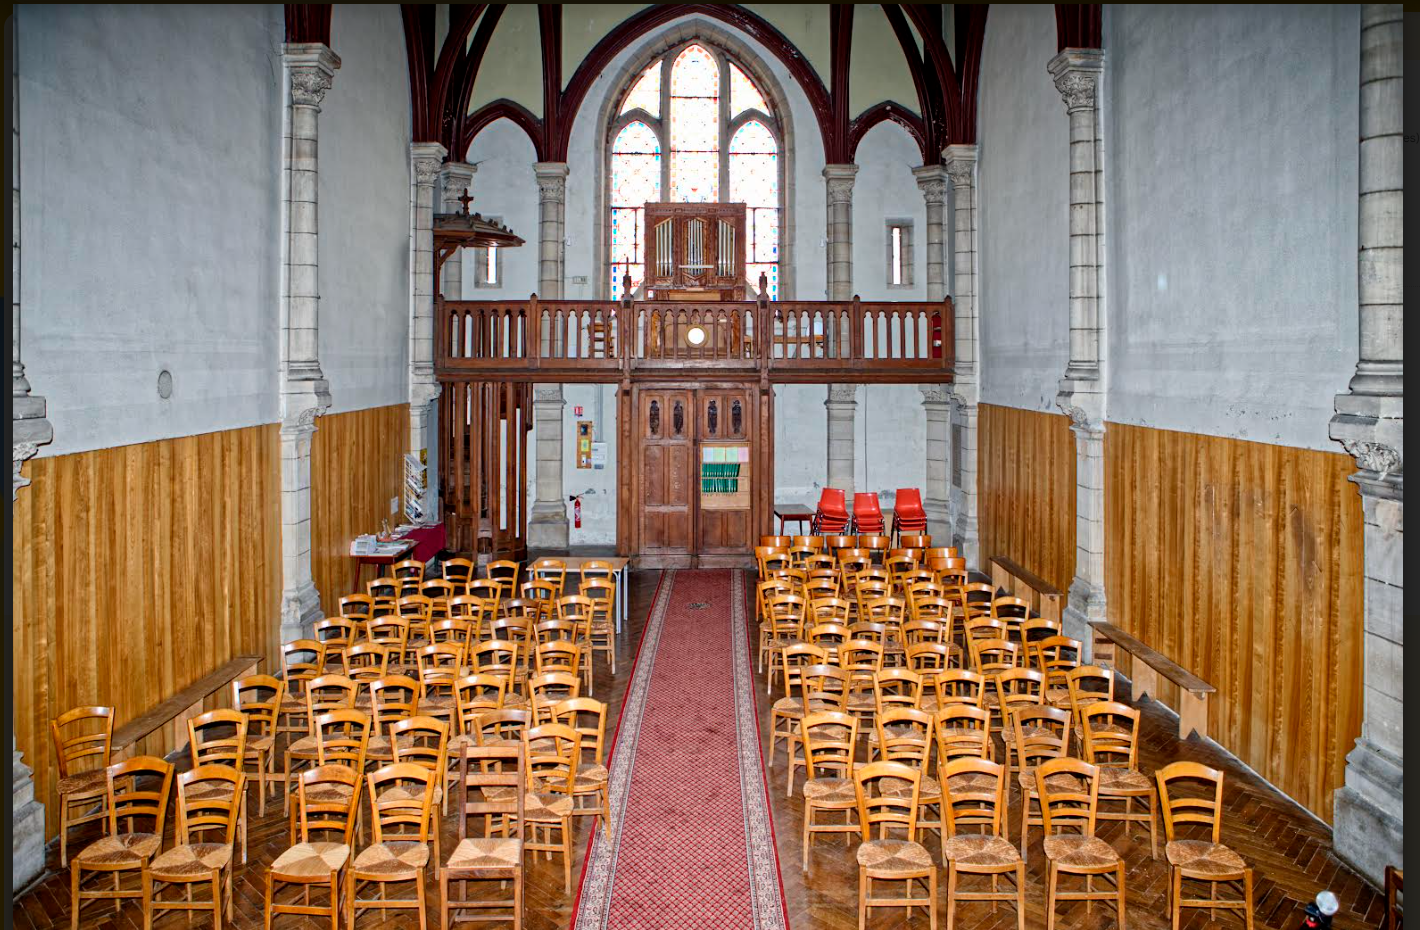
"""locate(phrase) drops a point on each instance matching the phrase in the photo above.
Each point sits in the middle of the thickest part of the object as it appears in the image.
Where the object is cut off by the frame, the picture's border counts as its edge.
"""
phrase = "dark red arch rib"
(503, 108)
(452, 62)
(939, 61)
(964, 130)
(1079, 25)
(418, 45)
(888, 111)
(459, 135)
(308, 22)
(929, 92)
(631, 29)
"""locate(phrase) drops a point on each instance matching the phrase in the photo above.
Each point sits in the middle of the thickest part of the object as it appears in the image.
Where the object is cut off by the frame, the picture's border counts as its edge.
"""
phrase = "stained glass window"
(699, 146)
(635, 180)
(743, 94)
(646, 94)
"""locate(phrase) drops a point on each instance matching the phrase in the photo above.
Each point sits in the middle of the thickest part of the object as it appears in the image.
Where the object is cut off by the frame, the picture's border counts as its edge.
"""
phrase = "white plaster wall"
(890, 442)
(886, 190)
(364, 211)
(800, 443)
(598, 506)
(150, 164)
(1023, 221)
(1232, 178)
(505, 187)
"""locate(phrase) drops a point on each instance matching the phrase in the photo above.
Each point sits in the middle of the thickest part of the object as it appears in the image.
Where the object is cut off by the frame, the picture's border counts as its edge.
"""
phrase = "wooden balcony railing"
(604, 340)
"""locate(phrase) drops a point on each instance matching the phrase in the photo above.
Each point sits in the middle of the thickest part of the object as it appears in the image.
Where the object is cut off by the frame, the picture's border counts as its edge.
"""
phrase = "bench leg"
(1145, 679)
(1192, 714)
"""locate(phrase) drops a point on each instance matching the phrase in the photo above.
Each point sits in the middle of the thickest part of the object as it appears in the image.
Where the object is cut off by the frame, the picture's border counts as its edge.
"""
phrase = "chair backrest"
(554, 753)
(558, 655)
(973, 802)
(960, 686)
(907, 501)
(1069, 795)
(833, 501)
(401, 815)
(963, 730)
(389, 630)
(885, 810)
(357, 606)
(457, 631)
(366, 662)
(496, 726)
(259, 697)
(335, 632)
(218, 737)
(918, 632)
(548, 689)
(830, 610)
(576, 608)
(423, 741)
(795, 657)
(824, 686)
(204, 810)
(808, 542)
(831, 544)
(322, 810)
(458, 572)
(301, 661)
(588, 717)
(483, 767)
(1042, 733)
(1193, 807)
(1055, 656)
(392, 698)
(505, 573)
(327, 693)
(437, 589)
(495, 657)
(830, 739)
(922, 541)
(1087, 684)
(131, 799)
(1009, 606)
(928, 659)
(1110, 732)
(994, 656)
(889, 610)
(1019, 687)
(342, 738)
(865, 502)
(83, 739)
(897, 687)
(415, 607)
(905, 735)
(476, 694)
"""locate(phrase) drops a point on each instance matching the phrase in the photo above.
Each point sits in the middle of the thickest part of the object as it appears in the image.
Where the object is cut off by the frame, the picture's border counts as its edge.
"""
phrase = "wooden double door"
(697, 475)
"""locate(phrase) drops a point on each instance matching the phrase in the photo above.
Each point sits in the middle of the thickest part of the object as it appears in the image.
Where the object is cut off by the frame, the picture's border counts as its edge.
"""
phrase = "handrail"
(605, 340)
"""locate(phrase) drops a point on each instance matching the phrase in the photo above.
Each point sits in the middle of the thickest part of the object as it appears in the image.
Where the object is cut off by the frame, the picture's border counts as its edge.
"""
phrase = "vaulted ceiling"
(840, 55)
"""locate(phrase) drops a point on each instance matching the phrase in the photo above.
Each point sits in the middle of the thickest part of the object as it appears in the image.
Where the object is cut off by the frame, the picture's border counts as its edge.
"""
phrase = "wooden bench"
(172, 715)
(1044, 598)
(1148, 665)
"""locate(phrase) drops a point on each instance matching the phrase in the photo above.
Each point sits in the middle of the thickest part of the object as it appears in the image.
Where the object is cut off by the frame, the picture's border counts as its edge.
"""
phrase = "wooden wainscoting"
(138, 569)
(357, 465)
(1026, 464)
(1243, 563)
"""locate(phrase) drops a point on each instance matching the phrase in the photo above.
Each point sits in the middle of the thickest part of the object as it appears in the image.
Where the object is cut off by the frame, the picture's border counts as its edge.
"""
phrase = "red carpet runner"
(692, 838)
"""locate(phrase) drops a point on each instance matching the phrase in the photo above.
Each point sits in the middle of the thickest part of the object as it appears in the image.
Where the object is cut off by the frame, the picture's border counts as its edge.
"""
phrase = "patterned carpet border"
(592, 906)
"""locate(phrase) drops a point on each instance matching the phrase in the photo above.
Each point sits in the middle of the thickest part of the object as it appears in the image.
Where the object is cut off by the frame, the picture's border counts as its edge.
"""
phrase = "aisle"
(692, 837)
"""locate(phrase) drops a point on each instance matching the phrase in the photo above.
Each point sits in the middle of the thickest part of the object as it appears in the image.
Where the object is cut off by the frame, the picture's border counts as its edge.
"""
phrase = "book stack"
(719, 478)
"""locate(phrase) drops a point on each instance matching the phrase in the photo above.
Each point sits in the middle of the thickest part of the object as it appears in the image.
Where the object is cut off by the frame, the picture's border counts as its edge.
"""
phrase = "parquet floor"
(1290, 852)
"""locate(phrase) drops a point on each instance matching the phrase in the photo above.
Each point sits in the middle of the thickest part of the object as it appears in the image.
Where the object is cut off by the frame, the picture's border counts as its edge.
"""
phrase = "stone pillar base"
(548, 530)
(1369, 827)
(1085, 603)
(300, 611)
(26, 827)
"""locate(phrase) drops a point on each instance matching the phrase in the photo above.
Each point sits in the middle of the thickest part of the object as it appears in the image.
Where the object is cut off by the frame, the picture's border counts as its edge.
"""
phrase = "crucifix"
(465, 199)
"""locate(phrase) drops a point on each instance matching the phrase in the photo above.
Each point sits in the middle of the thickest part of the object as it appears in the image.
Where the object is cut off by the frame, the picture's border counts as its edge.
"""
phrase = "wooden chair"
(440, 665)
(357, 607)
(393, 699)
(818, 560)
(501, 769)
(962, 731)
(323, 694)
(1087, 684)
(129, 801)
(602, 593)
(549, 689)
(975, 796)
(904, 734)
(383, 591)
(961, 686)
(392, 632)
(408, 569)
(553, 751)
(301, 661)
(474, 695)
(785, 714)
(776, 542)
(504, 573)
(327, 798)
(1055, 656)
(1042, 733)
(1111, 742)
(209, 801)
(209, 743)
(884, 858)
(1194, 859)
(259, 697)
(918, 541)
(459, 572)
(83, 743)
(588, 717)
(1016, 689)
(784, 620)
(400, 796)
(830, 740)
(1069, 793)
(424, 741)
(336, 634)
(553, 570)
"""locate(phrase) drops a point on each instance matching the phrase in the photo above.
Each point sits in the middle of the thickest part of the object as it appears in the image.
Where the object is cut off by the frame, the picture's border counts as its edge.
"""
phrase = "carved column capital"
(935, 394)
(458, 178)
(840, 182)
(960, 164)
(842, 394)
(1077, 73)
(551, 180)
(312, 67)
(427, 159)
(932, 182)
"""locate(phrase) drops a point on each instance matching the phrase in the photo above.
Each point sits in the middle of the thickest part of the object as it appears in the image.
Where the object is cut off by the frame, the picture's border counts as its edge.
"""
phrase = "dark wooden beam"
(549, 22)
(308, 22)
(503, 108)
(838, 147)
(450, 69)
(897, 113)
(419, 50)
(969, 73)
(938, 65)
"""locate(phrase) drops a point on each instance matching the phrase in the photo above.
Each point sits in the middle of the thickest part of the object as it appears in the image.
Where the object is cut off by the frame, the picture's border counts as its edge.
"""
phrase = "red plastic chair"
(907, 514)
(831, 518)
(867, 515)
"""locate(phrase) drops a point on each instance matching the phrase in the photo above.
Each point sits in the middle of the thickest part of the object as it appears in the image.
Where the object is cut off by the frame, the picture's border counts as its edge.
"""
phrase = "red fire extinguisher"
(576, 500)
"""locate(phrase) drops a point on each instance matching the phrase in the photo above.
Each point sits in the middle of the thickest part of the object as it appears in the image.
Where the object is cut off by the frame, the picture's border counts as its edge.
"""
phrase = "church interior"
(612, 466)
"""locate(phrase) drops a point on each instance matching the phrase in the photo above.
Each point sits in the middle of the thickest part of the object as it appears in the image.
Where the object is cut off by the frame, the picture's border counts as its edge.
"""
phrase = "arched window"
(721, 142)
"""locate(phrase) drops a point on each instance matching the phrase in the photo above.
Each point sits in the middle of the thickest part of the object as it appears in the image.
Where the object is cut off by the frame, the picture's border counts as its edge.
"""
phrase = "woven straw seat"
(537, 806)
(930, 792)
(494, 852)
(1087, 852)
(393, 860)
(830, 791)
(1113, 778)
(980, 850)
(590, 775)
(894, 857)
(311, 860)
(1204, 859)
(122, 848)
(191, 859)
(95, 781)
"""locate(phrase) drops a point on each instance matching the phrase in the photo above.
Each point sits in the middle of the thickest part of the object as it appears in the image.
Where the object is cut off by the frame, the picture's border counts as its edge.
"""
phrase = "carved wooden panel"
(666, 432)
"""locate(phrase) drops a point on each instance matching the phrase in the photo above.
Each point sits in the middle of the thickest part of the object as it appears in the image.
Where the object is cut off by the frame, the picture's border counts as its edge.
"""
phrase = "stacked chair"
(831, 517)
(939, 726)
(908, 517)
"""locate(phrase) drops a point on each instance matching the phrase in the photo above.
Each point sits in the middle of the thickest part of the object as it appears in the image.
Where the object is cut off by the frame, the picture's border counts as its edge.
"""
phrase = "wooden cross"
(465, 200)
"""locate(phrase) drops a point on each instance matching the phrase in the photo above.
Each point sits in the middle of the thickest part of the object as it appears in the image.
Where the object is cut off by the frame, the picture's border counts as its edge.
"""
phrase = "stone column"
(1370, 423)
(548, 525)
(841, 404)
(960, 161)
(305, 394)
(1081, 395)
(426, 161)
(936, 403)
(458, 178)
(29, 429)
